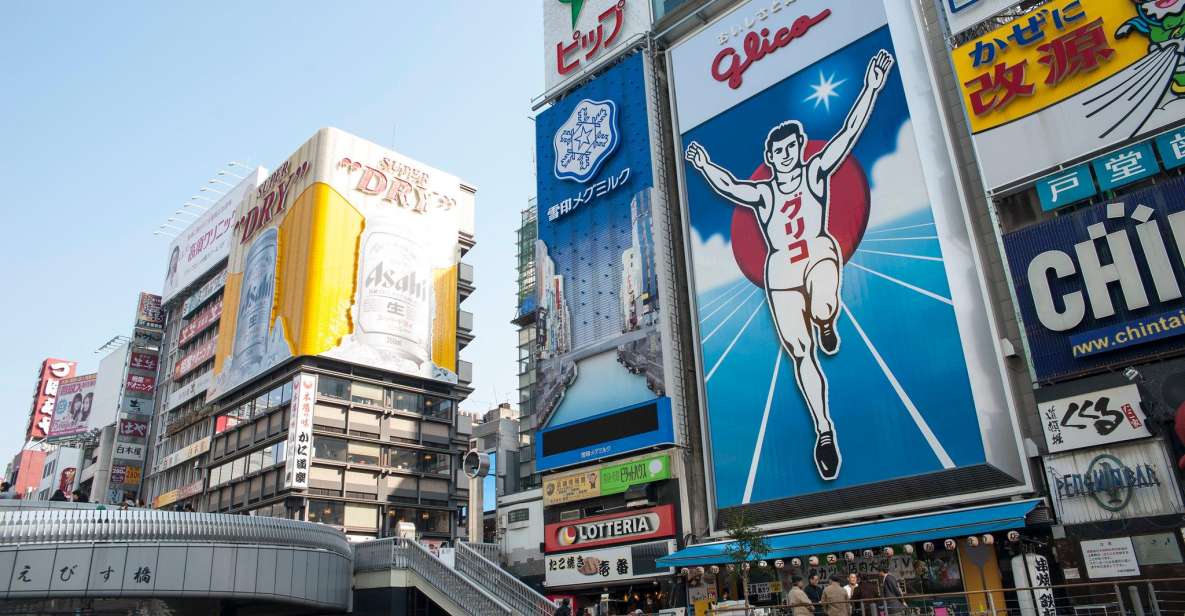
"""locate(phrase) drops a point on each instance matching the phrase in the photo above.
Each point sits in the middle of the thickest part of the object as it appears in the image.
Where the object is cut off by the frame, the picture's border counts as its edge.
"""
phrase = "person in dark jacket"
(815, 592)
(59, 496)
(864, 598)
(563, 609)
(891, 591)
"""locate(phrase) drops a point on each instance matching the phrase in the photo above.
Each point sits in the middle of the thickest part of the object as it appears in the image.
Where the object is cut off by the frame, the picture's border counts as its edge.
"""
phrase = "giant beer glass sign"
(347, 250)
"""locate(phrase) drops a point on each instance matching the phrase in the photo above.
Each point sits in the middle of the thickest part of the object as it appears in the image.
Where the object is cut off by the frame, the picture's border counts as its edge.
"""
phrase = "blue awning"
(852, 537)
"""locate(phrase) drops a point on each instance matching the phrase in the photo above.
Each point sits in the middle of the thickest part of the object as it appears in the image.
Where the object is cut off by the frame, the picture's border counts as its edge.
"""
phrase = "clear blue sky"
(112, 114)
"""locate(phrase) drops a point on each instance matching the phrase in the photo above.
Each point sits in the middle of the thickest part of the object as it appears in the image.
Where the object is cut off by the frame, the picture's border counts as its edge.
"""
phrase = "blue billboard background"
(600, 350)
(1056, 355)
(899, 394)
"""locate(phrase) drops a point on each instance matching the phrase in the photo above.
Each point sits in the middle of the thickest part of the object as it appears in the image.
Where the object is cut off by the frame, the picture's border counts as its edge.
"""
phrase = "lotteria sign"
(653, 523)
(606, 435)
(1102, 287)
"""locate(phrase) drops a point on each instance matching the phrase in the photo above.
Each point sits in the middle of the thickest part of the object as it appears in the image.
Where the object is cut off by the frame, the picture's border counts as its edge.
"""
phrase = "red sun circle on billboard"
(847, 216)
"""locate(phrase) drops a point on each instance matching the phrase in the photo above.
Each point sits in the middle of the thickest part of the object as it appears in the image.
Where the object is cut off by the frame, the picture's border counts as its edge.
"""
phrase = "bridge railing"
(398, 553)
(70, 525)
(477, 566)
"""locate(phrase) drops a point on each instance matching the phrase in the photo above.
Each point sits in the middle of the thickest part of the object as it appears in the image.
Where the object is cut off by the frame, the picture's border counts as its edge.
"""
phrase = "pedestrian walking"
(563, 609)
(864, 598)
(891, 591)
(800, 603)
(835, 598)
(815, 592)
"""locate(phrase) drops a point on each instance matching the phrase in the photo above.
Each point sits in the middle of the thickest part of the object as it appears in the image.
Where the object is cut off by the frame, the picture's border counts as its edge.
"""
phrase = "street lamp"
(220, 182)
(185, 212)
(202, 197)
(230, 174)
(235, 163)
(199, 207)
(206, 189)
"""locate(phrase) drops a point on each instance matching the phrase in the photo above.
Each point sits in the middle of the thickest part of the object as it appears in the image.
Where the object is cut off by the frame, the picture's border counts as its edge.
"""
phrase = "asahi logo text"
(399, 184)
(271, 199)
(385, 278)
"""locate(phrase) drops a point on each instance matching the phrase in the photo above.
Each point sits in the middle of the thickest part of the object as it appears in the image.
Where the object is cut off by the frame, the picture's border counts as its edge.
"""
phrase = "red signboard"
(200, 322)
(144, 361)
(66, 479)
(148, 312)
(621, 527)
(44, 398)
(132, 428)
(140, 384)
(196, 356)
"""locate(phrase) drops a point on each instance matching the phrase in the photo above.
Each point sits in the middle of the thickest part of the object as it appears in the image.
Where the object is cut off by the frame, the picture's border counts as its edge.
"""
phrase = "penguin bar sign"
(652, 523)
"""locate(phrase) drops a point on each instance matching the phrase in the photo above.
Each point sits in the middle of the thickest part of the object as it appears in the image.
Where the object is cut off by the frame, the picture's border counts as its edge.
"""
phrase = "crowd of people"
(856, 597)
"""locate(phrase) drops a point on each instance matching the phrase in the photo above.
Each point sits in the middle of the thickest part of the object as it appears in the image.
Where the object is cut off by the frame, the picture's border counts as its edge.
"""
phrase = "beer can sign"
(394, 309)
(255, 307)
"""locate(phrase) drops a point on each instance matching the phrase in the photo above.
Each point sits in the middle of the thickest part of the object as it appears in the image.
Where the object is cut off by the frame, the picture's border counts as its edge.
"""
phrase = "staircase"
(475, 586)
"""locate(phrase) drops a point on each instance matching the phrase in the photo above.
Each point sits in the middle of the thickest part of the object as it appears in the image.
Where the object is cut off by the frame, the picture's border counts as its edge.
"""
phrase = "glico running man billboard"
(598, 277)
(833, 294)
(347, 250)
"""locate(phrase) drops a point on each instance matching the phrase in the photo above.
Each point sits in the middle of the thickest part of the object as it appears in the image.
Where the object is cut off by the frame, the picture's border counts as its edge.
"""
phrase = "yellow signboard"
(347, 250)
(571, 487)
(1048, 55)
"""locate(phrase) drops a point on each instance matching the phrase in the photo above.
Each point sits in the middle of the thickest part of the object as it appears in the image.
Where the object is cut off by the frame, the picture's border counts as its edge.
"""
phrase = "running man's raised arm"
(842, 143)
(721, 180)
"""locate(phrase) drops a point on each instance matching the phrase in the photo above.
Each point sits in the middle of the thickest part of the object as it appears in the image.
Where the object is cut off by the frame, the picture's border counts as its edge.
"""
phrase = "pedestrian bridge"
(63, 557)
(53, 554)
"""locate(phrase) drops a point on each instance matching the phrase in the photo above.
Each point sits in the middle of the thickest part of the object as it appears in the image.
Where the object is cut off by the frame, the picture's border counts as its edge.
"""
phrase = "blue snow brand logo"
(586, 140)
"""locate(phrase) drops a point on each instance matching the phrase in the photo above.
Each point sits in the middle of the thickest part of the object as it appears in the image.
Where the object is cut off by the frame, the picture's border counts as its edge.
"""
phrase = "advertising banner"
(204, 292)
(830, 288)
(45, 396)
(577, 35)
(962, 14)
(1113, 483)
(599, 320)
(613, 564)
(1069, 79)
(606, 435)
(72, 411)
(1101, 287)
(1089, 412)
(195, 357)
(148, 313)
(200, 322)
(610, 529)
(131, 428)
(140, 384)
(605, 479)
(300, 432)
(188, 391)
(206, 241)
(190, 451)
(347, 250)
(144, 361)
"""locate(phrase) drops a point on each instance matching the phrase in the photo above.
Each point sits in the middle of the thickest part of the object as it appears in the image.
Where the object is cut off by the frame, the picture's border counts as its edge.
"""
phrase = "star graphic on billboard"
(824, 91)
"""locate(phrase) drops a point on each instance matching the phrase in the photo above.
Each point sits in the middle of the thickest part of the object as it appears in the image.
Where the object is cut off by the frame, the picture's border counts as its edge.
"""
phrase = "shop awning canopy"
(851, 537)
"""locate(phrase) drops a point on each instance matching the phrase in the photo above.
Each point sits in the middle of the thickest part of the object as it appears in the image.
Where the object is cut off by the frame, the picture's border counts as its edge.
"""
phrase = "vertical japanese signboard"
(578, 34)
(1068, 79)
(45, 395)
(300, 432)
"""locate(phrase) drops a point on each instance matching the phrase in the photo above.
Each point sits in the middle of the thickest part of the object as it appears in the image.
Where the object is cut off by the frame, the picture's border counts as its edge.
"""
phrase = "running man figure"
(803, 267)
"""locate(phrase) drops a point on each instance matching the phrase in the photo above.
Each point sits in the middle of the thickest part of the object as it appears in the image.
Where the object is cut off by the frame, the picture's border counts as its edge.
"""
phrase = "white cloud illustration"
(898, 188)
(715, 264)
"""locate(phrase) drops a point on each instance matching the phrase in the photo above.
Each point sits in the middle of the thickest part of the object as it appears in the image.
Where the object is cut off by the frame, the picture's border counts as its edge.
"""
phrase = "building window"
(366, 394)
(425, 520)
(406, 401)
(331, 418)
(333, 387)
(365, 423)
(439, 408)
(326, 448)
(436, 463)
(326, 512)
(401, 459)
(518, 515)
(362, 516)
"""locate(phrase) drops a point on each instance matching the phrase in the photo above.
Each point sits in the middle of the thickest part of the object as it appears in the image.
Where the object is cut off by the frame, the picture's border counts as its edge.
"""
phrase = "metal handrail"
(523, 598)
(54, 525)
(399, 553)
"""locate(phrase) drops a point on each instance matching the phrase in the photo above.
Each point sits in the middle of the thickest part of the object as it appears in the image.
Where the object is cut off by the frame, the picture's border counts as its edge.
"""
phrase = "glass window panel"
(269, 456)
(260, 405)
(237, 468)
(441, 408)
(364, 453)
(326, 448)
(402, 428)
(269, 484)
(433, 463)
(255, 462)
(407, 401)
(286, 393)
(280, 449)
(365, 421)
(256, 488)
(333, 387)
(274, 398)
(326, 512)
(401, 459)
